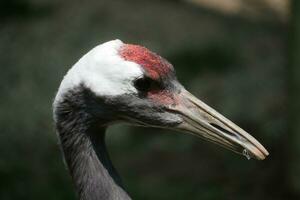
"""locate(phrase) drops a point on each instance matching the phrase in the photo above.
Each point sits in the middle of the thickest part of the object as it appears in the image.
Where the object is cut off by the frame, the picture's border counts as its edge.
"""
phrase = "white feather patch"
(103, 71)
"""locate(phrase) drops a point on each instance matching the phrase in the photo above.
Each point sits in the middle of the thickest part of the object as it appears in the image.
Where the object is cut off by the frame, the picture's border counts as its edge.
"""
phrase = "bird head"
(129, 83)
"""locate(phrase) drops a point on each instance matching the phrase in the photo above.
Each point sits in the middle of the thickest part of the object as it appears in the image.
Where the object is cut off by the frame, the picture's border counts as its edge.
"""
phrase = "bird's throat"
(84, 149)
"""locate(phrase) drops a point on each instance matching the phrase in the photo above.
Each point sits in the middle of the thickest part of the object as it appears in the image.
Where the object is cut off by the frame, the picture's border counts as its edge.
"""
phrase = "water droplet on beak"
(246, 154)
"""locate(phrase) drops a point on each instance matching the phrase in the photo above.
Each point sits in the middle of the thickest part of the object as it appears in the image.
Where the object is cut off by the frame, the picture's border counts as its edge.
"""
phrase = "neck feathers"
(83, 145)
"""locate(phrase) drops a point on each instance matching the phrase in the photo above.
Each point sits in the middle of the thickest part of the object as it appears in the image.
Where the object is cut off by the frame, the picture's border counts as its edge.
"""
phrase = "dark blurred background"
(241, 57)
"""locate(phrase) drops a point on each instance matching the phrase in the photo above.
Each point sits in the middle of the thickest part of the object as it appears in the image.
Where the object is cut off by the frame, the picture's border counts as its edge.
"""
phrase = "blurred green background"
(241, 57)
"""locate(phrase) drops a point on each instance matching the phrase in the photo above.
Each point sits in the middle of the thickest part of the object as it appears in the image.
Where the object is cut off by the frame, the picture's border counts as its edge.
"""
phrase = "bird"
(116, 82)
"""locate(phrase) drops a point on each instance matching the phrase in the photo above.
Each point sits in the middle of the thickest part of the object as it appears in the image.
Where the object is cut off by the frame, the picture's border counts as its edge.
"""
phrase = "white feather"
(103, 71)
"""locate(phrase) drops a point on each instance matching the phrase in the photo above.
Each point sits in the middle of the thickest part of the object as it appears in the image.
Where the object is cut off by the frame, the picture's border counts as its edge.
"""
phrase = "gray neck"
(78, 119)
(90, 167)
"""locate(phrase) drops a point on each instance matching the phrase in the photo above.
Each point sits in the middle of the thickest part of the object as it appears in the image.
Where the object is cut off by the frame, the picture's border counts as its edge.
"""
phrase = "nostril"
(223, 130)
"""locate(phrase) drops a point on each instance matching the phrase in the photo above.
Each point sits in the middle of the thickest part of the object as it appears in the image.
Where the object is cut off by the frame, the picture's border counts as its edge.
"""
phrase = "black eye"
(143, 84)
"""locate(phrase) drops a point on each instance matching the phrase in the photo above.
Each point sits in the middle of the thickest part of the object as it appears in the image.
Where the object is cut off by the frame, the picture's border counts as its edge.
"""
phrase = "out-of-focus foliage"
(236, 64)
(255, 9)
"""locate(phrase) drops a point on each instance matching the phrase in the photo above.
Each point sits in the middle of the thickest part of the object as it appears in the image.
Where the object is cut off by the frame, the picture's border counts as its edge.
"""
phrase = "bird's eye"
(143, 84)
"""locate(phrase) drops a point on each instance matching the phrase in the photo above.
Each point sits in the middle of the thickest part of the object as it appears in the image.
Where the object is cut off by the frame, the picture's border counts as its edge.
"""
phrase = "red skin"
(155, 67)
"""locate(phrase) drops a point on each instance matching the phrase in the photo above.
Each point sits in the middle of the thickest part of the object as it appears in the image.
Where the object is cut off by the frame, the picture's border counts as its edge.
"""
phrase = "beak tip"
(261, 155)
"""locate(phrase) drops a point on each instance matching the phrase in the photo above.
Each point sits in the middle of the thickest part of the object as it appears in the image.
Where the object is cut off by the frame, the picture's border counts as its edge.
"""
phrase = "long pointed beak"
(201, 120)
